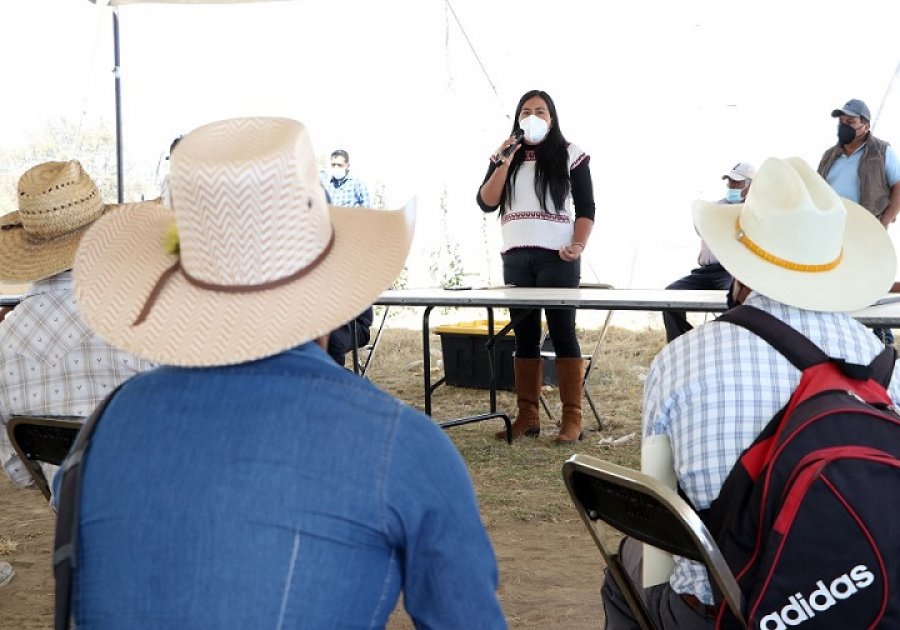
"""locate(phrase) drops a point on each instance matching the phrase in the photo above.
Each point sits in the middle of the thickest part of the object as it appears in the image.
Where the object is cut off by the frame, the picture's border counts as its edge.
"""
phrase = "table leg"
(426, 358)
(429, 387)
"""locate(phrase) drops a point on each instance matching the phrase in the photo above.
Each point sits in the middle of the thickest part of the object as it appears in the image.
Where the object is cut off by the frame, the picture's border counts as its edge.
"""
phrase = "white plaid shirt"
(713, 390)
(52, 363)
(350, 191)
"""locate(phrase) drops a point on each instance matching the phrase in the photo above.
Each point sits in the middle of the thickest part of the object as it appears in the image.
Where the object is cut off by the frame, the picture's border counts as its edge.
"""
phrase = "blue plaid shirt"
(350, 191)
(713, 390)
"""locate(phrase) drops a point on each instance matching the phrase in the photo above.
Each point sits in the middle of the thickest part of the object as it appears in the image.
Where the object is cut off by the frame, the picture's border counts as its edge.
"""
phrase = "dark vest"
(874, 192)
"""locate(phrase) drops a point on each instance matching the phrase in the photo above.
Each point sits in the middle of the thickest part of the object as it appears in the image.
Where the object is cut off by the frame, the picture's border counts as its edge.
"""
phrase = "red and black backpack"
(809, 517)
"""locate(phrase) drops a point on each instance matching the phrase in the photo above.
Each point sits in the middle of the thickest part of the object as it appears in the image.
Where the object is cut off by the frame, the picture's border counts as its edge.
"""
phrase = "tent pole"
(887, 95)
(120, 170)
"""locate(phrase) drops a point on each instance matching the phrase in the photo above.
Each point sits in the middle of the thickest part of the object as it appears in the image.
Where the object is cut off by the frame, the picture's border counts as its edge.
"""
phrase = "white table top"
(616, 299)
(886, 312)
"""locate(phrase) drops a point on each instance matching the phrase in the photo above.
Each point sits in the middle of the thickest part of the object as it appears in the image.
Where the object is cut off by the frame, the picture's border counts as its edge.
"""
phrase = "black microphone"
(517, 137)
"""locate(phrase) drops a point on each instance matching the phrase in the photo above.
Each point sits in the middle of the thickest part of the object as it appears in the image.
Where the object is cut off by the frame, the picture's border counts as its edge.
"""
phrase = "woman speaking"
(542, 185)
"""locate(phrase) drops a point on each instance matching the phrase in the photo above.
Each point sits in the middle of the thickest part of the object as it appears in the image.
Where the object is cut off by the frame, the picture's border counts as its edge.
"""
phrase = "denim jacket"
(281, 493)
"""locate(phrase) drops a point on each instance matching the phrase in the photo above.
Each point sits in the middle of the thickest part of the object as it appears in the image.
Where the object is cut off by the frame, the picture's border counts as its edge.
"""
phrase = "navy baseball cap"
(853, 107)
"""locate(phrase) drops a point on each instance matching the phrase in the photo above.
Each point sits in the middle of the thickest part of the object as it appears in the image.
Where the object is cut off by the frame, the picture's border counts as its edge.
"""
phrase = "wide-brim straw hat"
(262, 264)
(796, 241)
(57, 201)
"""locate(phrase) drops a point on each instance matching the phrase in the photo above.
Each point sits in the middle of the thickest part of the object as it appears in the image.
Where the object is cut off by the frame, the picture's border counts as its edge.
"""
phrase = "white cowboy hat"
(796, 241)
(261, 263)
(58, 201)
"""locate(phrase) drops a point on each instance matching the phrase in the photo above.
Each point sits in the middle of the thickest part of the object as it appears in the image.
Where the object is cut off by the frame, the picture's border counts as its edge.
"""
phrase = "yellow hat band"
(781, 262)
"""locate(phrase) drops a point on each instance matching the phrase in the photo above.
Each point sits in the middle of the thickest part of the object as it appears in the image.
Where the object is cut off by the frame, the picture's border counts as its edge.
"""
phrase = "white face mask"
(535, 128)
(338, 173)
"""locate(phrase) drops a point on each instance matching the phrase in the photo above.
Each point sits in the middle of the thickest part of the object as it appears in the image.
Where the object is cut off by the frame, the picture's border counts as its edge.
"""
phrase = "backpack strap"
(69, 501)
(802, 352)
(882, 366)
(792, 344)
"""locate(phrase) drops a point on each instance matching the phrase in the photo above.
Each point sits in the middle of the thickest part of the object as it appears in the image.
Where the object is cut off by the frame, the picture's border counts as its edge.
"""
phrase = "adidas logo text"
(800, 609)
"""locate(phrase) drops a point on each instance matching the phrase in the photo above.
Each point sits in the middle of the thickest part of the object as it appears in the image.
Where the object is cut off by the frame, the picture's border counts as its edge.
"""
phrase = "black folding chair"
(645, 509)
(42, 439)
(361, 366)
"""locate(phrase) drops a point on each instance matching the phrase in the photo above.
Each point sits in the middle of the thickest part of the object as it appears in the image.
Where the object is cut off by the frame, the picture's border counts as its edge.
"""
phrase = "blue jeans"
(885, 334)
(532, 267)
(282, 493)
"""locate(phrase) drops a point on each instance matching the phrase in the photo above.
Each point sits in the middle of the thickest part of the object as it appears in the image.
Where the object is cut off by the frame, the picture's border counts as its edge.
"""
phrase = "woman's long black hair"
(551, 159)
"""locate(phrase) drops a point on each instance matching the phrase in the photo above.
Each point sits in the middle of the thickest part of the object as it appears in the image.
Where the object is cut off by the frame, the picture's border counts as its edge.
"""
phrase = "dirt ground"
(550, 571)
(26, 541)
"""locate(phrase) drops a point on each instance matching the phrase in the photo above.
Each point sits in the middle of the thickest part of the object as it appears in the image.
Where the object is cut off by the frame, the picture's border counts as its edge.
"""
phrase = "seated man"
(341, 341)
(713, 390)
(343, 188)
(251, 482)
(710, 274)
(52, 363)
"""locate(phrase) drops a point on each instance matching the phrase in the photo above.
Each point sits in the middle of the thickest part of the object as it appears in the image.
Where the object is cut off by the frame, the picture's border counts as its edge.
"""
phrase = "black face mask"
(846, 133)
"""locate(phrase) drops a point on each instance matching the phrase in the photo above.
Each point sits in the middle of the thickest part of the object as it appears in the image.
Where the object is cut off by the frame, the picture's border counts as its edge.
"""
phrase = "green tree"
(61, 140)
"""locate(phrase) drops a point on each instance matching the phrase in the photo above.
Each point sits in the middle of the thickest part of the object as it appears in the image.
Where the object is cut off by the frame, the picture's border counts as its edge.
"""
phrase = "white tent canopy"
(660, 93)
(119, 156)
(119, 2)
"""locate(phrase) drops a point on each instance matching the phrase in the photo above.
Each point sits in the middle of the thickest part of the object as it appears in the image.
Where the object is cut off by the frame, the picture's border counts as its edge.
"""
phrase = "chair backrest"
(44, 439)
(642, 507)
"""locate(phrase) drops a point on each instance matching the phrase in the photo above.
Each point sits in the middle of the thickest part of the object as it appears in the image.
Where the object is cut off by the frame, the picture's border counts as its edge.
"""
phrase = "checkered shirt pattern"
(350, 191)
(52, 364)
(713, 390)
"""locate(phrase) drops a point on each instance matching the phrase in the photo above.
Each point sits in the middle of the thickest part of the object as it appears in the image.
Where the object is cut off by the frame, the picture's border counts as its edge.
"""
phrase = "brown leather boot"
(570, 373)
(529, 379)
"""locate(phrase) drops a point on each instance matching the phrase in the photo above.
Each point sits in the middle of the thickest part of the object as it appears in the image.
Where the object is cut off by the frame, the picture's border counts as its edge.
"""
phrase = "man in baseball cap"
(853, 107)
(741, 172)
(860, 167)
(709, 273)
(863, 169)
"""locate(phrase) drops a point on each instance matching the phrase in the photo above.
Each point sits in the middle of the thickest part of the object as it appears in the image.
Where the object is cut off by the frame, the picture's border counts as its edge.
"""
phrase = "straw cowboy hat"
(796, 241)
(259, 263)
(58, 201)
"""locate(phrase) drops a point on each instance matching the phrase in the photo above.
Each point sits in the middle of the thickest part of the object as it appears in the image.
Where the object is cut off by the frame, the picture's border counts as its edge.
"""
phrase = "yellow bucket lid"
(478, 327)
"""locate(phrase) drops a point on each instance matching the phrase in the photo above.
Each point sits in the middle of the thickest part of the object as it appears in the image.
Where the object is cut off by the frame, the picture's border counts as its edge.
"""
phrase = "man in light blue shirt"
(860, 167)
(863, 169)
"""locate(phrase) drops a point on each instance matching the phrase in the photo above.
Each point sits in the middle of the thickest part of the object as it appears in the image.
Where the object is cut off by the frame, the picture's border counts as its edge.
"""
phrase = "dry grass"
(7, 545)
(524, 481)
(550, 572)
